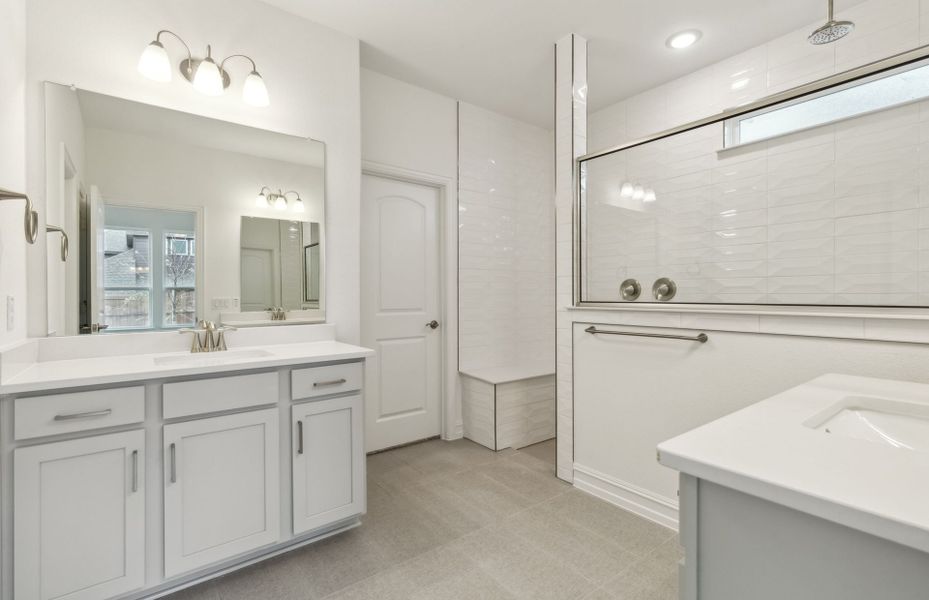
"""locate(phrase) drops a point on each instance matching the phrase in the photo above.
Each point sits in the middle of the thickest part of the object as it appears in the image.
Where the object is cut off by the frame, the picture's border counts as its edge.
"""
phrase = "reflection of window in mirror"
(136, 293)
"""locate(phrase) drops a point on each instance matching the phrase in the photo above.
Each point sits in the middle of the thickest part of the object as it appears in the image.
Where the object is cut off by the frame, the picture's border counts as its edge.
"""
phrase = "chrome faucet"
(278, 313)
(207, 337)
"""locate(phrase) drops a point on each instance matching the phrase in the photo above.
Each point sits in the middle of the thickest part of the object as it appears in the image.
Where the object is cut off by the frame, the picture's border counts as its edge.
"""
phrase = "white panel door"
(329, 462)
(221, 488)
(400, 298)
(79, 523)
(257, 279)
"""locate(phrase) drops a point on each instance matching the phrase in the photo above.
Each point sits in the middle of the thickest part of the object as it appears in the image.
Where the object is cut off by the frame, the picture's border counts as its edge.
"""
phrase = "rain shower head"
(833, 30)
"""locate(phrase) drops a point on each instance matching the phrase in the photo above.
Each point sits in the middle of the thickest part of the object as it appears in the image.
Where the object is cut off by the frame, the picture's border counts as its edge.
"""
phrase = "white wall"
(135, 170)
(407, 126)
(506, 256)
(312, 73)
(12, 165)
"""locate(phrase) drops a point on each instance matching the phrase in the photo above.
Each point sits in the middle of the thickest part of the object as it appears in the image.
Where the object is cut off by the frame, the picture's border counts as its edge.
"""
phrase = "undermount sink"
(210, 358)
(889, 422)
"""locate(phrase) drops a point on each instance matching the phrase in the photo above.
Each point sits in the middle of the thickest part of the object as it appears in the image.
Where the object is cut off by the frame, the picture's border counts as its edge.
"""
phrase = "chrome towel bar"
(700, 337)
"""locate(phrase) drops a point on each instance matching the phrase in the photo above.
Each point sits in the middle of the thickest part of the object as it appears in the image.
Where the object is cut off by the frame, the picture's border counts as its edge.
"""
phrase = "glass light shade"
(262, 201)
(254, 91)
(154, 63)
(626, 190)
(299, 206)
(638, 193)
(650, 196)
(208, 80)
(280, 203)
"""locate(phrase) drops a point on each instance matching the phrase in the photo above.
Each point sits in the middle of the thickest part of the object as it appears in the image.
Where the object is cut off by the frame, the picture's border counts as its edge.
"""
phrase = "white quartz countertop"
(55, 374)
(766, 450)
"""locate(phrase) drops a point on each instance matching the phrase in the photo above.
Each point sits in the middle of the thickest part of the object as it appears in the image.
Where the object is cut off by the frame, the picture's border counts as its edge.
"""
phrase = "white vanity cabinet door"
(329, 462)
(79, 526)
(222, 492)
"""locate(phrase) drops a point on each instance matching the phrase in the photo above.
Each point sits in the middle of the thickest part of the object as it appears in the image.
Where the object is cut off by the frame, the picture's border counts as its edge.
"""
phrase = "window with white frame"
(878, 92)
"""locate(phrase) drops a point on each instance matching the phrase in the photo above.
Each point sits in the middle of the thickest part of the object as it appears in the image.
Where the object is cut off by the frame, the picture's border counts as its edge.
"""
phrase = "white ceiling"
(499, 53)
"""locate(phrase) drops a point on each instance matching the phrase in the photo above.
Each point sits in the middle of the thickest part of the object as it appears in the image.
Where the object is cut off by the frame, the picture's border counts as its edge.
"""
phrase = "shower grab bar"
(700, 337)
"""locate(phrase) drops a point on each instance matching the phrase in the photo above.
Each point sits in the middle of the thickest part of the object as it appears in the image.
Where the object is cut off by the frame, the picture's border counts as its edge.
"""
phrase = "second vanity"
(132, 468)
(820, 492)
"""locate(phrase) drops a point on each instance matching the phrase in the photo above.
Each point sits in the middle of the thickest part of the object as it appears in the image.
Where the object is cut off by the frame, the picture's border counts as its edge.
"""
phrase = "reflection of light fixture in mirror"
(278, 200)
(64, 240)
(205, 75)
(637, 192)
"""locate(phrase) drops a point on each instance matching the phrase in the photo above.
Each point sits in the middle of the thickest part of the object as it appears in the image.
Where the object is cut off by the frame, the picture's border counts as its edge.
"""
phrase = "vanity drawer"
(322, 381)
(186, 398)
(38, 416)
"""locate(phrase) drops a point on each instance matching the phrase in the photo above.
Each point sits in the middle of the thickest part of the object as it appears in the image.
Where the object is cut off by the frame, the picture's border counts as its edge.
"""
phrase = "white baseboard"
(627, 496)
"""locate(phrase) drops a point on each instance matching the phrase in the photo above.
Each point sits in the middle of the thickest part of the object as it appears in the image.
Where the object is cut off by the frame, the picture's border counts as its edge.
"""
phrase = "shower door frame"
(768, 102)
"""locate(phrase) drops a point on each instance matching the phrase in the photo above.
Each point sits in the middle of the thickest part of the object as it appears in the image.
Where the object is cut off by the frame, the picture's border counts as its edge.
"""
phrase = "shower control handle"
(664, 289)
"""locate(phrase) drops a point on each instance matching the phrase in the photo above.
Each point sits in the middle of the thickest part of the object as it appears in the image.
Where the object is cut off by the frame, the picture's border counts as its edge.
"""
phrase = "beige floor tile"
(543, 451)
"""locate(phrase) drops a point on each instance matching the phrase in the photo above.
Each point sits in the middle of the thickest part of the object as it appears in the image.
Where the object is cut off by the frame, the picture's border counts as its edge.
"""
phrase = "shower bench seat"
(510, 406)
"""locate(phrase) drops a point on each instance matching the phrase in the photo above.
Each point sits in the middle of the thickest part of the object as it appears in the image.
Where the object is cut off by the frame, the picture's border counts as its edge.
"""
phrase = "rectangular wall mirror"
(169, 218)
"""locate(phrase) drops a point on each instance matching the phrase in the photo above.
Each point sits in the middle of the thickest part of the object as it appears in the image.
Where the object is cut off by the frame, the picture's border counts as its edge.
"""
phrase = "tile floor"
(455, 520)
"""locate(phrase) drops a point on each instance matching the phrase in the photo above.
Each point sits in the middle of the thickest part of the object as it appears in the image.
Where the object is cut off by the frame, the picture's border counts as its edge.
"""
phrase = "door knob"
(433, 324)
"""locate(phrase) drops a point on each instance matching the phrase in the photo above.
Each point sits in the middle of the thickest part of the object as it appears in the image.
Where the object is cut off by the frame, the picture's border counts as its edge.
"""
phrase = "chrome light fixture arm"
(190, 56)
(64, 239)
(31, 217)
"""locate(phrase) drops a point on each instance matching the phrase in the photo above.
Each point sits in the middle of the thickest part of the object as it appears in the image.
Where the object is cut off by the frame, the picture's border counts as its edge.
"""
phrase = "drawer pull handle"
(135, 471)
(299, 437)
(84, 415)
(173, 451)
(333, 382)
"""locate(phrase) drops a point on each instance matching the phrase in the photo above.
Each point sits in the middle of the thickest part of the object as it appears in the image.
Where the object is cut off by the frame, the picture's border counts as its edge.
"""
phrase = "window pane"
(180, 262)
(180, 278)
(127, 258)
(127, 309)
(180, 307)
(860, 98)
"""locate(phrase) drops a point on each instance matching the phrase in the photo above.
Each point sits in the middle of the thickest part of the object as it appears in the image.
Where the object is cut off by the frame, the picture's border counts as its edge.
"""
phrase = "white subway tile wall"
(836, 215)
(506, 239)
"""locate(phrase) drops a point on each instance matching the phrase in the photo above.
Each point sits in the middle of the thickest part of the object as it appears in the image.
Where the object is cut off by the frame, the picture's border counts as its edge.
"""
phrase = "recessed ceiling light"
(684, 39)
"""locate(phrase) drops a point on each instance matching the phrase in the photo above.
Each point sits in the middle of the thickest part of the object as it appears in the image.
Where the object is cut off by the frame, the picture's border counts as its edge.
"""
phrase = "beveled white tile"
(876, 263)
(820, 229)
(808, 284)
(877, 223)
(812, 265)
(876, 243)
(807, 211)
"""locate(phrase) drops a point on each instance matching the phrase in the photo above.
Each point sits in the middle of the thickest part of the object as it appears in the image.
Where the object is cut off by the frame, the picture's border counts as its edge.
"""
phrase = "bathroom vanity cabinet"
(132, 489)
(785, 499)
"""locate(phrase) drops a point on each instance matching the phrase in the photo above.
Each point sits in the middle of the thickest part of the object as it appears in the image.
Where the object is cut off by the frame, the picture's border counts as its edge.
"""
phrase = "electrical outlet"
(10, 313)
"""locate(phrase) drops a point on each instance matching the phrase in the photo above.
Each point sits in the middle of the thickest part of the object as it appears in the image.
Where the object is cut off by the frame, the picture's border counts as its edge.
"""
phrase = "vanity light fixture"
(684, 39)
(278, 200)
(205, 74)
